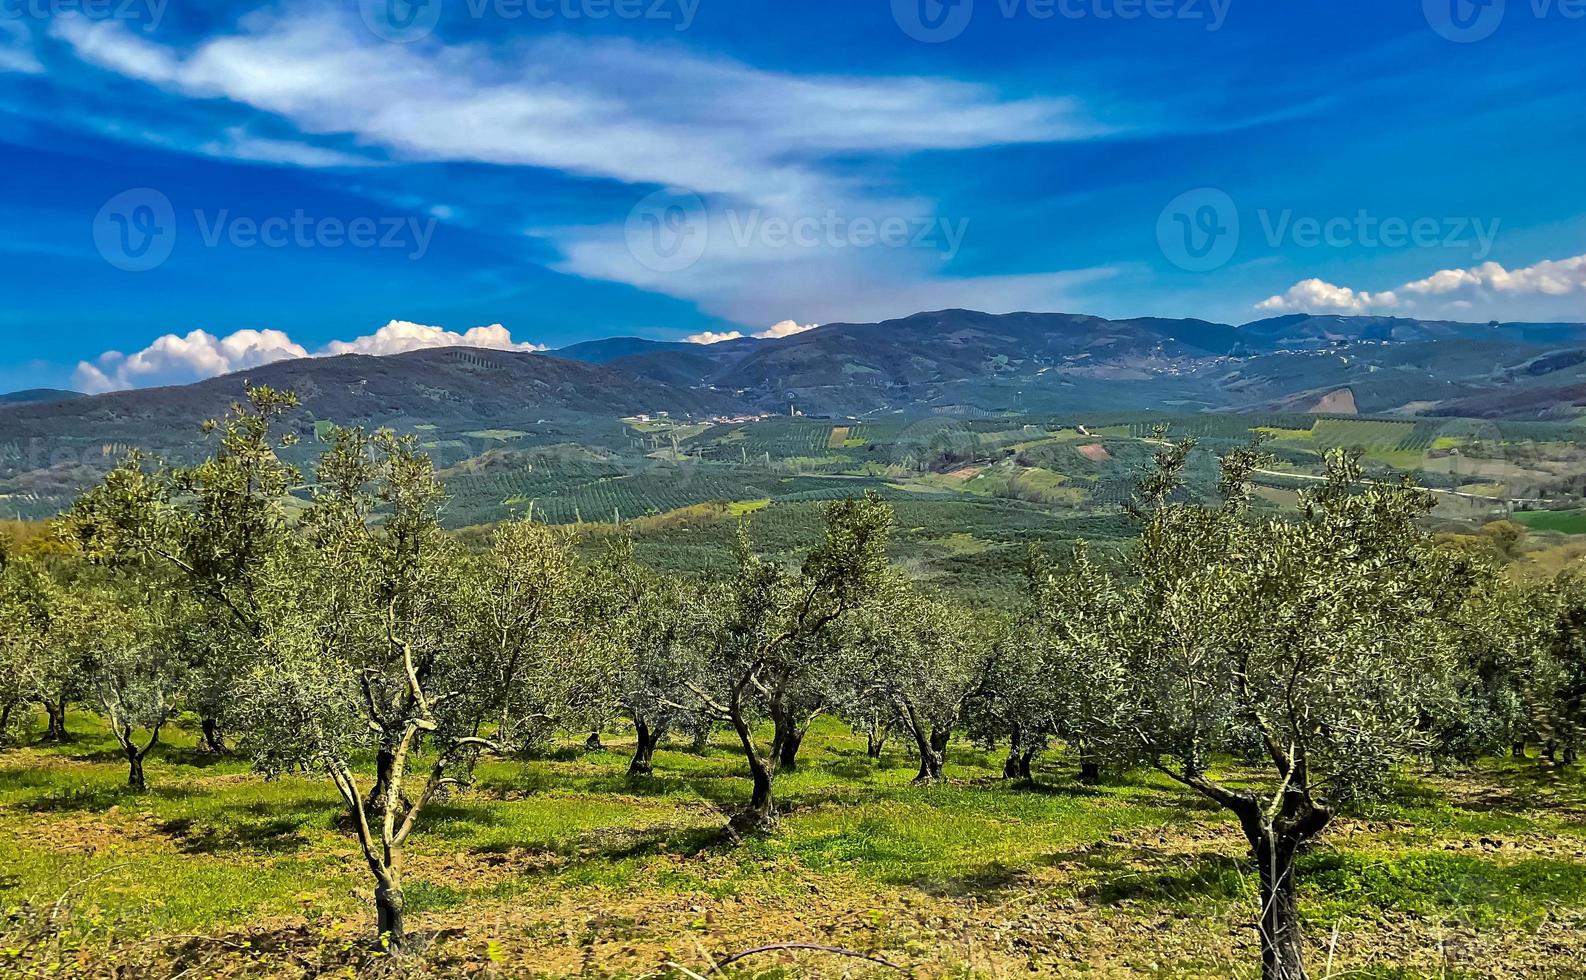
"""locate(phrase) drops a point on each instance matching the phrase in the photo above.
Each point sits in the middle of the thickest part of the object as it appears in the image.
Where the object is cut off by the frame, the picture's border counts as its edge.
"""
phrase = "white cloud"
(174, 359)
(400, 335)
(712, 337)
(597, 107)
(786, 328)
(240, 145)
(1548, 290)
(1318, 296)
(757, 145)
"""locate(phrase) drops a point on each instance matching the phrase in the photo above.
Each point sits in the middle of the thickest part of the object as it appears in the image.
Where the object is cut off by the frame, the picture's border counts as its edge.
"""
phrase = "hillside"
(443, 390)
(467, 404)
(33, 396)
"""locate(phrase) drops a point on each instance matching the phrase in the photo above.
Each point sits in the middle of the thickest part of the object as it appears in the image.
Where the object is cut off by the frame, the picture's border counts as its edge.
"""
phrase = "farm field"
(1564, 522)
(562, 865)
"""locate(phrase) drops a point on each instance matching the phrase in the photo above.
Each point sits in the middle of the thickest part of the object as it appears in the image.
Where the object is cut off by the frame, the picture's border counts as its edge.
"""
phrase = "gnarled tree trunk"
(210, 739)
(924, 744)
(788, 737)
(389, 904)
(760, 817)
(643, 762)
(1275, 845)
(1010, 765)
(1089, 768)
(55, 731)
(875, 737)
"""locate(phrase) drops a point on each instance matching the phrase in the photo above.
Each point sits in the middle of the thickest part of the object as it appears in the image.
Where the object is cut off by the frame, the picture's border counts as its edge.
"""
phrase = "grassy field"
(561, 865)
(1564, 522)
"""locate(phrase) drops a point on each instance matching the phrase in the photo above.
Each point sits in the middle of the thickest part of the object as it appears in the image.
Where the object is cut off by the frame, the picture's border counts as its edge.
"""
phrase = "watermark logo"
(135, 231)
(1199, 230)
(668, 231)
(933, 21)
(400, 21)
(1464, 21)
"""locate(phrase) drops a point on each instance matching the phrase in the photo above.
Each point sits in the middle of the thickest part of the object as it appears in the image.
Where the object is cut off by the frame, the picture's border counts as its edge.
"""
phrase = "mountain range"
(950, 360)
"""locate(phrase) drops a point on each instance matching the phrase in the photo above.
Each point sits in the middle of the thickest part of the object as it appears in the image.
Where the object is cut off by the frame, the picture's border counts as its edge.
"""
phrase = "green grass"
(1562, 521)
(1133, 873)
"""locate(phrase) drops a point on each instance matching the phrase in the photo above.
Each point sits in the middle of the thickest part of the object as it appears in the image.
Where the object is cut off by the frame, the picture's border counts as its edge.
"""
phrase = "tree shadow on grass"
(1133, 873)
(609, 845)
(96, 798)
(989, 881)
(275, 836)
(1530, 785)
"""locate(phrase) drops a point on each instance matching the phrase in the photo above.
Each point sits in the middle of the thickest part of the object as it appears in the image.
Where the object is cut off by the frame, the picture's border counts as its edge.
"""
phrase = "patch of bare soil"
(1095, 452)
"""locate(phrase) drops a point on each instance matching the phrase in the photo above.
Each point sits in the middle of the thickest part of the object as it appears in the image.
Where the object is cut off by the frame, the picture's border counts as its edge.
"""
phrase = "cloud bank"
(786, 328)
(175, 360)
(1548, 290)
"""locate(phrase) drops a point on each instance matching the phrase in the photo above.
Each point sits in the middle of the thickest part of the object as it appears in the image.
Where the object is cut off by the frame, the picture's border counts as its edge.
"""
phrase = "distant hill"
(34, 396)
(1305, 330)
(445, 389)
(954, 362)
(611, 348)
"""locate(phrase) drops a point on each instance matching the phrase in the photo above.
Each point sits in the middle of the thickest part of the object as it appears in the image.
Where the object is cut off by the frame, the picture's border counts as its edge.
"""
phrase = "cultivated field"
(563, 865)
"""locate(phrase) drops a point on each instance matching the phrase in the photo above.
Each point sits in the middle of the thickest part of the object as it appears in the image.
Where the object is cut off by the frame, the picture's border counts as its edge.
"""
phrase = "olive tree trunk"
(648, 737)
(210, 740)
(1274, 845)
(924, 743)
(55, 731)
(135, 755)
(1010, 765)
(760, 817)
(875, 736)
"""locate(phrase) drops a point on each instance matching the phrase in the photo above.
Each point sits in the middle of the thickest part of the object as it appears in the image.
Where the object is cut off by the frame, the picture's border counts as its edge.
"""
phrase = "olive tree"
(1042, 682)
(384, 637)
(1311, 649)
(214, 528)
(1556, 688)
(651, 627)
(1504, 629)
(916, 658)
(23, 624)
(42, 632)
(134, 644)
(768, 629)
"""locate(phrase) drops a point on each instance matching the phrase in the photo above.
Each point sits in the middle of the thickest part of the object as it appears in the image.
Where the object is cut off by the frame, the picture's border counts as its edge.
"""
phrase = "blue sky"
(194, 187)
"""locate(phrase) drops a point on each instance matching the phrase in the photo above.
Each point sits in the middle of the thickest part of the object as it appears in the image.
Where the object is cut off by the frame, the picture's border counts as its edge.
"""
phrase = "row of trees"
(1281, 666)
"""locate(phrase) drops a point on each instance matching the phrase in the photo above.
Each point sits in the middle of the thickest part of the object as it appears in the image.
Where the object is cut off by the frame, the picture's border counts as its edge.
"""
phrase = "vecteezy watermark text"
(302, 230)
(669, 231)
(137, 230)
(1201, 230)
(936, 21)
(147, 12)
(405, 21)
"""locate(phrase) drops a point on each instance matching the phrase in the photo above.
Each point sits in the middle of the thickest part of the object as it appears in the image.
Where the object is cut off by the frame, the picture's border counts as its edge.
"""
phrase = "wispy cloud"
(599, 108)
(756, 146)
